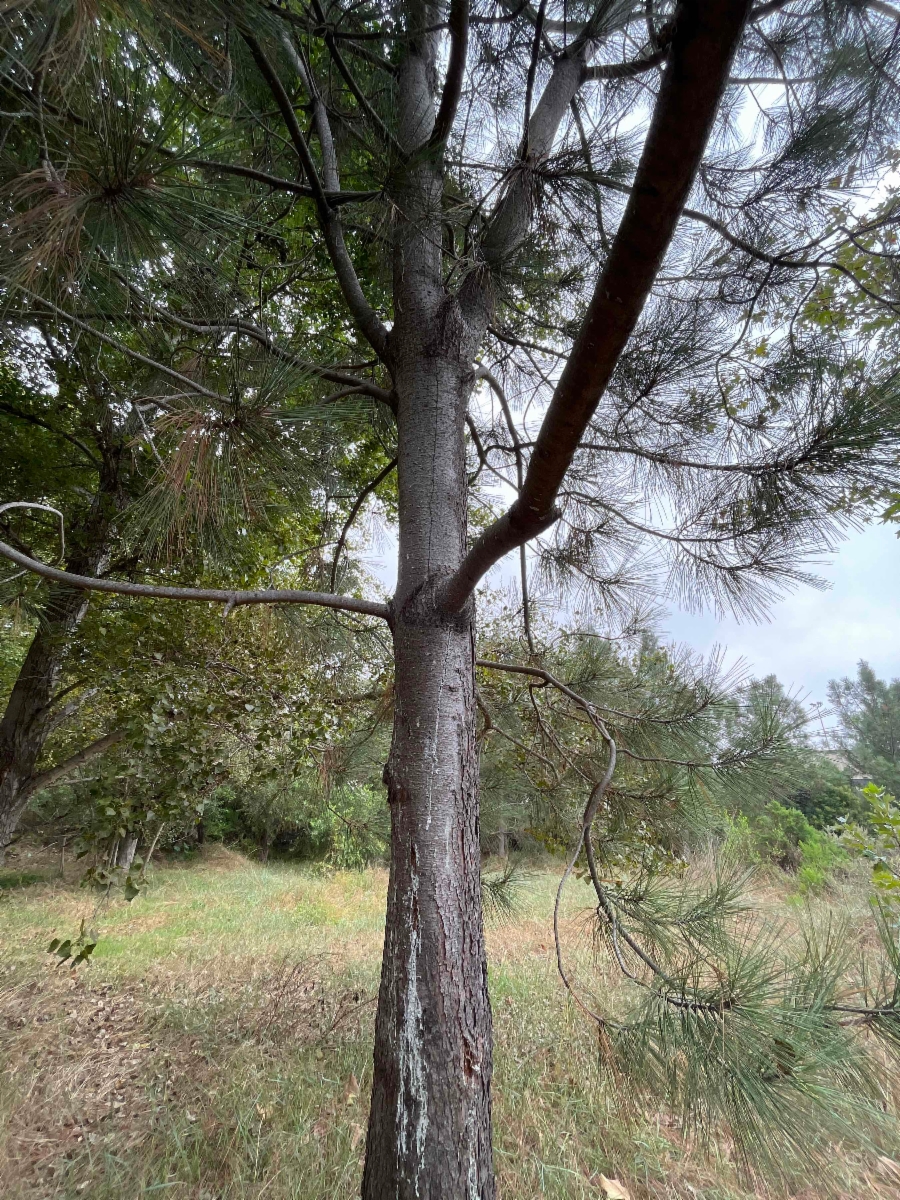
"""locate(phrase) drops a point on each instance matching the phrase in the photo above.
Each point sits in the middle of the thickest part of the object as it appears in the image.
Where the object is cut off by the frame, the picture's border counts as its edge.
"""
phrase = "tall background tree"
(868, 711)
(559, 256)
(62, 453)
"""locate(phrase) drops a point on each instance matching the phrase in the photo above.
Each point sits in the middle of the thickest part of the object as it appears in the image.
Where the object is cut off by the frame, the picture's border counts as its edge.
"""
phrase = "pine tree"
(564, 253)
(868, 711)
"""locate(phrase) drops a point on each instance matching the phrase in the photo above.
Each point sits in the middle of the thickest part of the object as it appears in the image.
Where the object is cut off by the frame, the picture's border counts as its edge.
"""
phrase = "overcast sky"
(812, 636)
(816, 636)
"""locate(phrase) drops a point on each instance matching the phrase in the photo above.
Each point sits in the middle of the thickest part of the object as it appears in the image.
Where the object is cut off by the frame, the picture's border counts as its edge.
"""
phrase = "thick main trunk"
(429, 1133)
(430, 1123)
(25, 724)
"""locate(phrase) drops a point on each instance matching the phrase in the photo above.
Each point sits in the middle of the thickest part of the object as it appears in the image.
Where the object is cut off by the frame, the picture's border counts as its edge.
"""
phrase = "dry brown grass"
(78, 1055)
(219, 1048)
(92, 1065)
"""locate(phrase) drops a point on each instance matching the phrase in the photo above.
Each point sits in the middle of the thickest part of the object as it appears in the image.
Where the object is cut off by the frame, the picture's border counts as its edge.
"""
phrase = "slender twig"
(491, 726)
(70, 319)
(532, 71)
(33, 420)
(153, 844)
(258, 335)
(500, 393)
(358, 95)
(11, 504)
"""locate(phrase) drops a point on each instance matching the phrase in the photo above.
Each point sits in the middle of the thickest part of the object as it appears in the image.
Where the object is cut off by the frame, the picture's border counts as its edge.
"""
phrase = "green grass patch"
(20, 879)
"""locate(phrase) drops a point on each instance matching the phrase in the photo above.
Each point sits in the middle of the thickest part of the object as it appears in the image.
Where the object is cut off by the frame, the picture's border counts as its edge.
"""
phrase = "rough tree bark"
(24, 728)
(29, 716)
(430, 1123)
(429, 1131)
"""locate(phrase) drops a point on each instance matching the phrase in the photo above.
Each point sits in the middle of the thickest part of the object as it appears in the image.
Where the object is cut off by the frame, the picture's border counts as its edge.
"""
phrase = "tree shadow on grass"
(21, 879)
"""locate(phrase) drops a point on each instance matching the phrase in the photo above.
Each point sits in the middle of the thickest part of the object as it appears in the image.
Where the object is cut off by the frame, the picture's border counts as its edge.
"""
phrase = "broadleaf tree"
(868, 716)
(77, 448)
(562, 254)
(56, 452)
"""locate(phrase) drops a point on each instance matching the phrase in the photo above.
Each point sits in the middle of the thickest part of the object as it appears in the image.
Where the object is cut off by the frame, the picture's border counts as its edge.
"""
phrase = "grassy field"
(218, 1048)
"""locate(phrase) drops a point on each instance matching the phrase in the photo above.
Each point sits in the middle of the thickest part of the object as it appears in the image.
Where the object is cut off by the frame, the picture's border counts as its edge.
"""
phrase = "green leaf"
(84, 953)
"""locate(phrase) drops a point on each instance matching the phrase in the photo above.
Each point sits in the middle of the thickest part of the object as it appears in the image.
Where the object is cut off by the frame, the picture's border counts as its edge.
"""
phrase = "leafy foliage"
(878, 841)
(74, 951)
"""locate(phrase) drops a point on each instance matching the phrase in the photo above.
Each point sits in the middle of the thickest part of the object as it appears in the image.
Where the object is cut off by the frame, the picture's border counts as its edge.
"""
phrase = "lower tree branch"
(230, 598)
(676, 995)
(45, 779)
(262, 338)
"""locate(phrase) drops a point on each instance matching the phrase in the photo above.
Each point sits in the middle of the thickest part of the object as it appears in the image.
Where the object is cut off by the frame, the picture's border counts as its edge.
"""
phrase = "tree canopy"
(868, 710)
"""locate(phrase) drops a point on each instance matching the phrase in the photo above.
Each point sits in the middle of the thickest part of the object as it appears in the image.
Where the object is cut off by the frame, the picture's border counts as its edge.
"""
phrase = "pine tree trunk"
(430, 1122)
(429, 1132)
